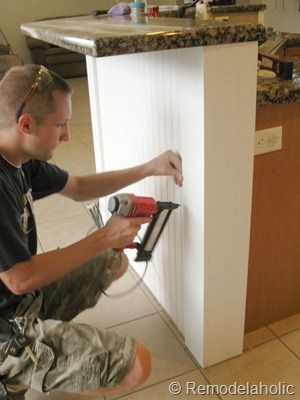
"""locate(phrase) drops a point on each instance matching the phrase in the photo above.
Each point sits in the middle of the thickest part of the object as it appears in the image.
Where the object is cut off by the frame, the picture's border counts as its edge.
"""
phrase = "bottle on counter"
(137, 11)
(153, 11)
(202, 10)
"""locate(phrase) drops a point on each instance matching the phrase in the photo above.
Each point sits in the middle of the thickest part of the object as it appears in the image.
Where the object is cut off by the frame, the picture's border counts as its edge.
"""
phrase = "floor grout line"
(154, 384)
(40, 245)
(131, 320)
(289, 348)
(285, 333)
(261, 342)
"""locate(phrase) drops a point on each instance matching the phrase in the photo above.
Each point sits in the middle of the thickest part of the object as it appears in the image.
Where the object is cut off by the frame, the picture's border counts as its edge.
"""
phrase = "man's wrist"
(146, 170)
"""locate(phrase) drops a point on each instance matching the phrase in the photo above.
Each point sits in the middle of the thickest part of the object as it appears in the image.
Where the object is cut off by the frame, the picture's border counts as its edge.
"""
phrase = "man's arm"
(42, 269)
(45, 268)
(83, 188)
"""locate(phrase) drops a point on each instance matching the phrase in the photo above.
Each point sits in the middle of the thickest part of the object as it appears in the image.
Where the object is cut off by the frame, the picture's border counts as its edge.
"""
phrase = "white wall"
(15, 12)
(282, 15)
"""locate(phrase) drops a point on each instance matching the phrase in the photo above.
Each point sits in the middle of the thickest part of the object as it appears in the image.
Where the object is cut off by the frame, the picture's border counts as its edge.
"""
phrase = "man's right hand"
(121, 231)
(42, 269)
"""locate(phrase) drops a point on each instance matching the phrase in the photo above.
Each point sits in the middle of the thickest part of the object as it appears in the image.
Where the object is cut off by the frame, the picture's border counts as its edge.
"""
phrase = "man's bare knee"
(141, 368)
(137, 375)
(123, 266)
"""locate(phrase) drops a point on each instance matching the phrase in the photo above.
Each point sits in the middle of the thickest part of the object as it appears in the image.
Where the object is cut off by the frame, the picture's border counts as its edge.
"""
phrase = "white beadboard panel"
(220, 87)
(95, 112)
(139, 107)
(200, 101)
(230, 105)
(192, 119)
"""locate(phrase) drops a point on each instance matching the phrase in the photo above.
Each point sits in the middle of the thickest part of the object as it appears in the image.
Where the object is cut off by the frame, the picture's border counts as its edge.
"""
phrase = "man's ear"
(26, 123)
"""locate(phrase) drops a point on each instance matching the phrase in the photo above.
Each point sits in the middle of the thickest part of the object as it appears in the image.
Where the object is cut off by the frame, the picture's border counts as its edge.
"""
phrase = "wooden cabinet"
(273, 289)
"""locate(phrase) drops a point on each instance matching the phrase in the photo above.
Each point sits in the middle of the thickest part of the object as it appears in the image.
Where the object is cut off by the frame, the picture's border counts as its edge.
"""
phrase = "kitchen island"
(273, 276)
(279, 91)
(176, 83)
(252, 13)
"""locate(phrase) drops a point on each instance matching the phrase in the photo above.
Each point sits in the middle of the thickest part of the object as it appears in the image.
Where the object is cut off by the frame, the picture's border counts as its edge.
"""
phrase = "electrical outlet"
(268, 140)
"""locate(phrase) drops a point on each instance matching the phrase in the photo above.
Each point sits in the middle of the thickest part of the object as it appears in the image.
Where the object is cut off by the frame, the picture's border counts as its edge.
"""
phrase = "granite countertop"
(106, 36)
(279, 91)
(190, 12)
(237, 8)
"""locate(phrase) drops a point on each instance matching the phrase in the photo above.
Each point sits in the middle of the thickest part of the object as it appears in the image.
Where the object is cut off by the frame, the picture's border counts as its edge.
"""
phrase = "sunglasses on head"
(42, 80)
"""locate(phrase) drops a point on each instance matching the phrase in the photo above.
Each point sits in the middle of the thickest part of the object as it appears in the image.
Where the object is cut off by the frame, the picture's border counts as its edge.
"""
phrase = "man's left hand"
(168, 163)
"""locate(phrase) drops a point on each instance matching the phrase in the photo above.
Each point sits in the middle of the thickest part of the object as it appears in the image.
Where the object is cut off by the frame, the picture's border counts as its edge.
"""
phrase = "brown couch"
(66, 63)
(7, 60)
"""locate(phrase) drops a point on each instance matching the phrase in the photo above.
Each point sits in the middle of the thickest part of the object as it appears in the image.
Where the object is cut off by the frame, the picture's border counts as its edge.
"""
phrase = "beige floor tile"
(81, 164)
(75, 157)
(159, 308)
(81, 105)
(172, 326)
(87, 139)
(80, 129)
(39, 247)
(286, 325)
(257, 337)
(186, 386)
(56, 207)
(73, 149)
(271, 364)
(292, 340)
(61, 233)
(168, 356)
(77, 129)
(70, 149)
(114, 311)
(146, 291)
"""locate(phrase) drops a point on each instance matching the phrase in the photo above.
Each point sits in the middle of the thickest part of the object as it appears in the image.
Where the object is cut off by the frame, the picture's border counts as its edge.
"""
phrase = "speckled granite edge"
(137, 41)
(237, 8)
(188, 13)
(193, 38)
(278, 91)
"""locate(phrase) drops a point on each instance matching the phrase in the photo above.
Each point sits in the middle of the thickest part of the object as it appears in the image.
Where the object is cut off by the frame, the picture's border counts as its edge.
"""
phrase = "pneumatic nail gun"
(129, 205)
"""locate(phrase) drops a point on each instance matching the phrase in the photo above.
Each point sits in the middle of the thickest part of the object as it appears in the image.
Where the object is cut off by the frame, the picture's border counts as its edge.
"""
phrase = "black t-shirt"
(19, 187)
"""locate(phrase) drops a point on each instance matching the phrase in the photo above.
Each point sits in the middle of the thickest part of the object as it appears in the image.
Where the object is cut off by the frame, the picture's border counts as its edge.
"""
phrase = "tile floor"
(271, 354)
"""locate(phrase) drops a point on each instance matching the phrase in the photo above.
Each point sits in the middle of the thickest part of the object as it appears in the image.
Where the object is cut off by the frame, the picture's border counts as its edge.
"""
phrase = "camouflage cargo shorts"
(71, 357)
